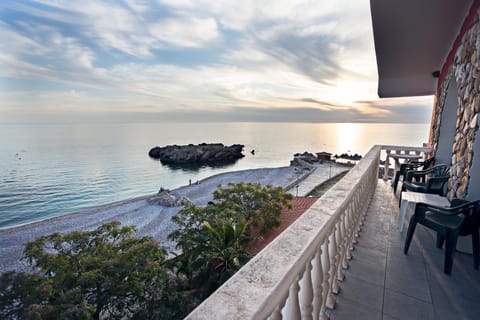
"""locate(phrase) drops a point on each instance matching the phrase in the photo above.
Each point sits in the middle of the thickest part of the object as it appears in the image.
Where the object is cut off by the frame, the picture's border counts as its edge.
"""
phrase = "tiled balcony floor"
(383, 283)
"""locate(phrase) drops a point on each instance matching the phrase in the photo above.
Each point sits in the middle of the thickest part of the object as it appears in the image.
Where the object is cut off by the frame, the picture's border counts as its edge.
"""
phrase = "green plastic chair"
(461, 219)
(432, 180)
(411, 166)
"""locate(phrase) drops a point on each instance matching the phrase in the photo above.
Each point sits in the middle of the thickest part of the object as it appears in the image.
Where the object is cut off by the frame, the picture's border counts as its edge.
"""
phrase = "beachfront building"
(324, 156)
(343, 259)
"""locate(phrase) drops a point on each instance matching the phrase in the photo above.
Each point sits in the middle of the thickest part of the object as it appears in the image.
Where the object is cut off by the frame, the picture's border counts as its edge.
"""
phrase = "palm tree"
(222, 253)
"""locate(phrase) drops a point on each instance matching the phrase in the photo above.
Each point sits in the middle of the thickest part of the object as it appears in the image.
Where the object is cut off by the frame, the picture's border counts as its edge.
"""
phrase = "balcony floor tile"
(363, 293)
(412, 286)
(401, 306)
(366, 271)
(348, 309)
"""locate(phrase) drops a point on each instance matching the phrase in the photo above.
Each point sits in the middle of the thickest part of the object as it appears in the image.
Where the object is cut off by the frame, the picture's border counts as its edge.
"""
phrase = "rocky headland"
(202, 153)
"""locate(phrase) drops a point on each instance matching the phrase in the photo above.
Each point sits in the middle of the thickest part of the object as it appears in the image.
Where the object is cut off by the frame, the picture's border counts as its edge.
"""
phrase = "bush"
(213, 239)
(260, 205)
(109, 274)
(104, 273)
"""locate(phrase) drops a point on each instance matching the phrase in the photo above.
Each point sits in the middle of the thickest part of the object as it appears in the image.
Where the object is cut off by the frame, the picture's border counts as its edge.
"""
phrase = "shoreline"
(150, 220)
(110, 205)
(81, 211)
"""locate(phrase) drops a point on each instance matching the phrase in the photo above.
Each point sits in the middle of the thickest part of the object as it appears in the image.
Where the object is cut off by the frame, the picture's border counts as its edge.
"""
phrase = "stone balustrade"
(402, 150)
(296, 276)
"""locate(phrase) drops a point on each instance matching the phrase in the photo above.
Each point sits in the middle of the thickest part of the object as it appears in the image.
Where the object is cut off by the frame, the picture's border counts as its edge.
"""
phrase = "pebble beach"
(150, 219)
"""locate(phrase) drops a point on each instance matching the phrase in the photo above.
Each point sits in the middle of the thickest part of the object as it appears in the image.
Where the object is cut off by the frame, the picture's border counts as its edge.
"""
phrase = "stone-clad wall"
(465, 69)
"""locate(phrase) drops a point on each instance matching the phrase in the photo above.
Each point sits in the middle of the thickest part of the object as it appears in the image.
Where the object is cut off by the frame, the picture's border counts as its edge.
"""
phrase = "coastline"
(150, 220)
(91, 210)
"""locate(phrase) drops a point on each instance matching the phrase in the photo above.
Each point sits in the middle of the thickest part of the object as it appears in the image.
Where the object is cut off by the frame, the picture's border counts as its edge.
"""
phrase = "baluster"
(346, 248)
(343, 232)
(293, 305)
(339, 238)
(359, 214)
(332, 271)
(361, 199)
(340, 246)
(306, 292)
(358, 205)
(418, 153)
(363, 202)
(364, 206)
(351, 235)
(277, 313)
(387, 165)
(355, 220)
(336, 258)
(318, 282)
(326, 278)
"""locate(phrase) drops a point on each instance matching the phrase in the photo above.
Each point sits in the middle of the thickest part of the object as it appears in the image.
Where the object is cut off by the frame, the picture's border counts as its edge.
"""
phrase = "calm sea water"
(49, 170)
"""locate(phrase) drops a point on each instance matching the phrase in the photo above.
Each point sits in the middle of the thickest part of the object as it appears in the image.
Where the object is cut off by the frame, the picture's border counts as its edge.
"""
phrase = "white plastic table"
(410, 200)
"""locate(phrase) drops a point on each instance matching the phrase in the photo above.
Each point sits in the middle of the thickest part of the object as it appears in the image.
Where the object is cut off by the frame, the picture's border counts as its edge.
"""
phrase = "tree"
(260, 205)
(213, 239)
(221, 254)
(104, 273)
(228, 241)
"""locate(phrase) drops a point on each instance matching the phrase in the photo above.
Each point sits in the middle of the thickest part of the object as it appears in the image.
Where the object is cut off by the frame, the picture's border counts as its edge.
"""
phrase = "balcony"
(343, 259)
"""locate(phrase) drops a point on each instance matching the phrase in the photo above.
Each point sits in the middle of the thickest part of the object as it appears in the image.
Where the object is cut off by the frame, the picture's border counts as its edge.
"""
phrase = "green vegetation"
(323, 187)
(108, 273)
(213, 239)
(104, 273)
(260, 206)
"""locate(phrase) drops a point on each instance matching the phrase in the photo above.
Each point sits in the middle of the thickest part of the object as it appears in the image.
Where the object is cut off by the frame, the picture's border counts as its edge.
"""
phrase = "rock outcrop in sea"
(202, 153)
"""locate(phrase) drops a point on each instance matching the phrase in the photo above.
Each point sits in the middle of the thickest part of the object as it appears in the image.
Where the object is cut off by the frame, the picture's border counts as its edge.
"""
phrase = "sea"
(49, 170)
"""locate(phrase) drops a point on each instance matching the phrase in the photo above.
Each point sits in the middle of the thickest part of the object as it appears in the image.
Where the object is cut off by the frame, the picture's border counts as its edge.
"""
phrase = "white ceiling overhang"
(412, 40)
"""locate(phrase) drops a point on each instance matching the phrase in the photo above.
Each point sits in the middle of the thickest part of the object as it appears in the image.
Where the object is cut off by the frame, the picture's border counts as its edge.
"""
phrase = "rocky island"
(202, 153)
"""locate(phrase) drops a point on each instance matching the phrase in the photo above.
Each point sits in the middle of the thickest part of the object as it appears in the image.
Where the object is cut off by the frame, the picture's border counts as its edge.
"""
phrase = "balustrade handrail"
(425, 150)
(296, 275)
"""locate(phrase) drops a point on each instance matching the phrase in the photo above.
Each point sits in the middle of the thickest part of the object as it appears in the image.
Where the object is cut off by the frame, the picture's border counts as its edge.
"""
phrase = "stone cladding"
(465, 70)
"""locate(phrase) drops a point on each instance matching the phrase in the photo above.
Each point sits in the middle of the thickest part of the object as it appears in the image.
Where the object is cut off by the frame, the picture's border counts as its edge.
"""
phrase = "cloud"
(243, 114)
(213, 59)
(315, 59)
(139, 6)
(408, 113)
(404, 110)
(315, 101)
(232, 114)
(130, 28)
(310, 37)
(186, 31)
(46, 55)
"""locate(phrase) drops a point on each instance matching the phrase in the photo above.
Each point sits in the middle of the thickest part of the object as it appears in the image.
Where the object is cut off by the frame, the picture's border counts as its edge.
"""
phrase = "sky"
(193, 60)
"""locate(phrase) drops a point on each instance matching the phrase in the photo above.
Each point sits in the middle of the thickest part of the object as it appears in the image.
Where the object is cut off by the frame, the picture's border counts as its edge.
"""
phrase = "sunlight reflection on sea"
(55, 169)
